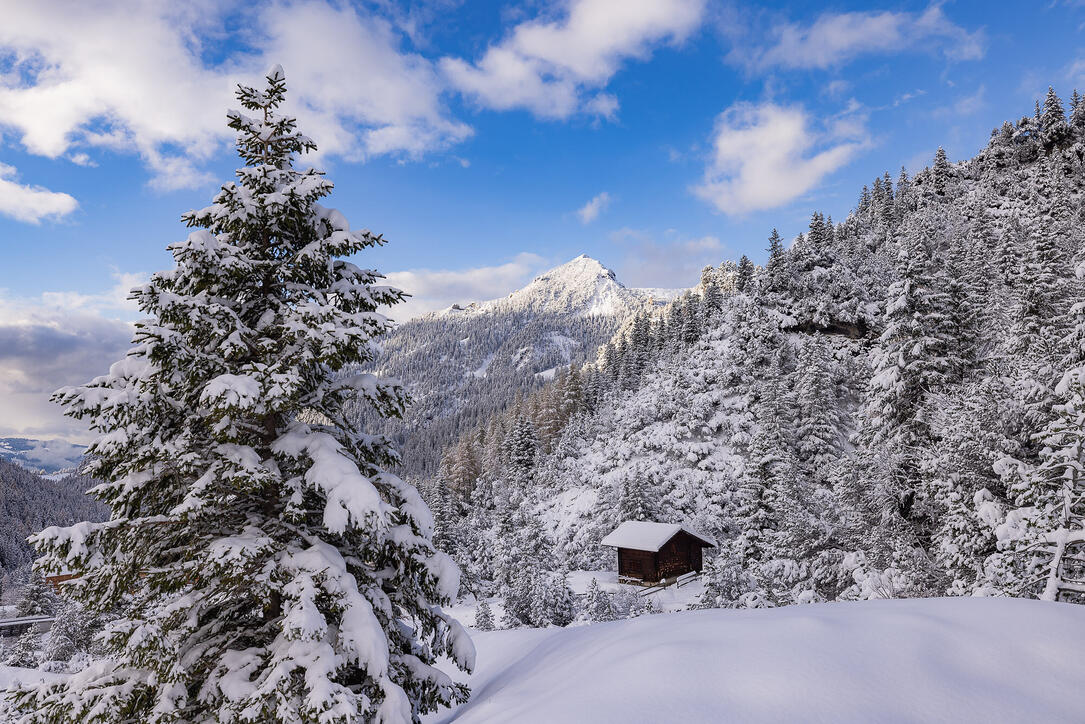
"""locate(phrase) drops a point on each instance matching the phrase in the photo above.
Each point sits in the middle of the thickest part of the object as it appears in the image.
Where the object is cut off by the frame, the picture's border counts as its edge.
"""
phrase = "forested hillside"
(30, 502)
(468, 362)
(893, 406)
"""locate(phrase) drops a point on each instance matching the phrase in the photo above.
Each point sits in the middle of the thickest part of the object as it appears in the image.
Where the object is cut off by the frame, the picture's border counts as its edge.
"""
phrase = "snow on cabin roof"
(644, 536)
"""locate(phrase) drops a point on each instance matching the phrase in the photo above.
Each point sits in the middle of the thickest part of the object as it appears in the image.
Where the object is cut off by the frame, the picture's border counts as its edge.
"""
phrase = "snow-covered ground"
(918, 660)
(11, 675)
(668, 599)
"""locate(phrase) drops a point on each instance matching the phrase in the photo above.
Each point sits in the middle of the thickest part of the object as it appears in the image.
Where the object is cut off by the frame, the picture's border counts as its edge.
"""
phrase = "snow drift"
(917, 660)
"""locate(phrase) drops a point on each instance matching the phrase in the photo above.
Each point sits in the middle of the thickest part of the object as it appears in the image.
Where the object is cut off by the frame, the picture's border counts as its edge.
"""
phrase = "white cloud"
(667, 260)
(836, 38)
(31, 203)
(433, 289)
(82, 159)
(555, 67)
(590, 211)
(134, 77)
(358, 94)
(766, 155)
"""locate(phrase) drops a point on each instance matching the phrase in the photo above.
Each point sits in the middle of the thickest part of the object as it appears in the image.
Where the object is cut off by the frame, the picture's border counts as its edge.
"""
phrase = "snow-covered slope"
(917, 660)
(581, 287)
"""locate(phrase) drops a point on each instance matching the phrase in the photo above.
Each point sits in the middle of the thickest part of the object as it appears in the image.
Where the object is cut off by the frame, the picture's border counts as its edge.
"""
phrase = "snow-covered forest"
(892, 406)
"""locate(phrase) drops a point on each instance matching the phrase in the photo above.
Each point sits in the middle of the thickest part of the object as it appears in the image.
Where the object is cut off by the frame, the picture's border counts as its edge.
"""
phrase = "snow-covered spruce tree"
(72, 632)
(912, 362)
(60, 648)
(553, 602)
(24, 652)
(633, 498)
(597, 605)
(484, 617)
(267, 567)
(38, 597)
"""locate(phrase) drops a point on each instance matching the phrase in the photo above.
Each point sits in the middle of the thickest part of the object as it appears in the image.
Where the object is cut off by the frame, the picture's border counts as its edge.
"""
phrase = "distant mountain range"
(42, 456)
(469, 360)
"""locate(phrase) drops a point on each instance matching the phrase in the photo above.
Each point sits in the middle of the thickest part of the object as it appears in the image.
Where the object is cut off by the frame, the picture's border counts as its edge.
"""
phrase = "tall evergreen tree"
(37, 598)
(912, 362)
(484, 617)
(266, 565)
(777, 272)
(26, 652)
(745, 273)
(633, 497)
(1077, 116)
(818, 433)
(1054, 131)
(940, 171)
(597, 604)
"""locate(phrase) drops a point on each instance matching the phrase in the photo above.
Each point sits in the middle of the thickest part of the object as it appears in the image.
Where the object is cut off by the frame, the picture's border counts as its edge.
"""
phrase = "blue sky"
(486, 140)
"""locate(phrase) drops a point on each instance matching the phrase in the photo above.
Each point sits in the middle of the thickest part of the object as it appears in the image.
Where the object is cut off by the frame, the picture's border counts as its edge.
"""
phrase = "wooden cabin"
(57, 580)
(654, 552)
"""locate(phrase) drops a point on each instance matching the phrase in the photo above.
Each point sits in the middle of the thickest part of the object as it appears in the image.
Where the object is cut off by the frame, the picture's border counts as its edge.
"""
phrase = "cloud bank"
(159, 89)
(434, 289)
(834, 39)
(53, 340)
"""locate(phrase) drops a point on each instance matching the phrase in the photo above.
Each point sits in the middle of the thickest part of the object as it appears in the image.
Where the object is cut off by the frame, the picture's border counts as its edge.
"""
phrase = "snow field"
(918, 660)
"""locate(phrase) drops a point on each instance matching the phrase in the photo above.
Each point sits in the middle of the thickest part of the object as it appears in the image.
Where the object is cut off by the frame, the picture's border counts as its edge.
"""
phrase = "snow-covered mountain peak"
(579, 287)
(581, 272)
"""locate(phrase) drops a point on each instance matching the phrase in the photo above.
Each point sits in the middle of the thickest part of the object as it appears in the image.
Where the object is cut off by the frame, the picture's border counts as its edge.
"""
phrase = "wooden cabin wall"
(637, 564)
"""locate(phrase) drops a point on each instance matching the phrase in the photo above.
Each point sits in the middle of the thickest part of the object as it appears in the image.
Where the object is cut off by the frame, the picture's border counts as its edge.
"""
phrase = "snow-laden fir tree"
(25, 652)
(745, 273)
(38, 597)
(633, 497)
(267, 567)
(553, 601)
(61, 648)
(72, 632)
(520, 596)
(819, 418)
(597, 605)
(940, 171)
(912, 361)
(484, 617)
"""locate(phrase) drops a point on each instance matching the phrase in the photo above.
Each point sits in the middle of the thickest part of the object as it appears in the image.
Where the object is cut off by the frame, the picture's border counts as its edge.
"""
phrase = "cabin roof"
(644, 536)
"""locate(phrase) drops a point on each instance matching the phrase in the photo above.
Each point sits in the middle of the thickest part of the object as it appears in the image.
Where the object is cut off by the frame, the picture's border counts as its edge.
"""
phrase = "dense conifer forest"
(892, 406)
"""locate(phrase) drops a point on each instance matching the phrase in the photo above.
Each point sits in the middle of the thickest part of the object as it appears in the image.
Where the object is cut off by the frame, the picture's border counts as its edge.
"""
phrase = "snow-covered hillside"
(466, 362)
(917, 660)
(890, 407)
